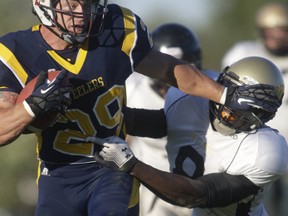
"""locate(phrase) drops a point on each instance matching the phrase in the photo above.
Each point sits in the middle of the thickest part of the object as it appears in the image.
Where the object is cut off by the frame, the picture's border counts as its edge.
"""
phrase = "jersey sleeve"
(187, 120)
(272, 158)
(136, 34)
(8, 80)
(222, 189)
(143, 43)
(13, 75)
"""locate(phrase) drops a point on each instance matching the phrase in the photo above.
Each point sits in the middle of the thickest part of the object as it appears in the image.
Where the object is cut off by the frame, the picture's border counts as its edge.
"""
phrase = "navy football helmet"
(178, 41)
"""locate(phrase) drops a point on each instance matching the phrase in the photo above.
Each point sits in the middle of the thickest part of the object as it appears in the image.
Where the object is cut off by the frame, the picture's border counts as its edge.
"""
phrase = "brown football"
(43, 121)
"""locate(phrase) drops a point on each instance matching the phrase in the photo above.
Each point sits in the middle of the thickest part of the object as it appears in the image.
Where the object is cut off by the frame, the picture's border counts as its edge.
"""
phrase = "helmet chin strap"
(68, 37)
(72, 39)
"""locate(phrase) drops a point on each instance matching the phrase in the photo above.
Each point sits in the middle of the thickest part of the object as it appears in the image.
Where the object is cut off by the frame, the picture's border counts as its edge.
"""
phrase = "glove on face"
(49, 95)
(115, 153)
(252, 96)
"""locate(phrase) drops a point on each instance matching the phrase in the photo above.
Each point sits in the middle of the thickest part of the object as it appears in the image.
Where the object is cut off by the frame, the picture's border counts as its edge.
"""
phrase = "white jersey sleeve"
(271, 159)
(248, 154)
(187, 120)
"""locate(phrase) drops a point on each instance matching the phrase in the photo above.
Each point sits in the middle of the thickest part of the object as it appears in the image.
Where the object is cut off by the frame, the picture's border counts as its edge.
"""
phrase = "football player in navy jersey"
(97, 46)
(243, 157)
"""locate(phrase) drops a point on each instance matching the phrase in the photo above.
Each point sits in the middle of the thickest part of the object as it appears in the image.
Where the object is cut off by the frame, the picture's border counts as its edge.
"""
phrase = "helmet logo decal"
(249, 80)
(143, 26)
(177, 52)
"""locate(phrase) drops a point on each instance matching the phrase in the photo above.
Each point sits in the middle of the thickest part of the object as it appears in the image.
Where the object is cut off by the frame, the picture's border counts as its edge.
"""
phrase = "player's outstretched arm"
(192, 81)
(180, 74)
(213, 190)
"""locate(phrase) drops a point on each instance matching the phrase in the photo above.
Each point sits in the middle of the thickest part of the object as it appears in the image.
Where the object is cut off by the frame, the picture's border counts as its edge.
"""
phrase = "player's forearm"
(175, 189)
(13, 120)
(192, 81)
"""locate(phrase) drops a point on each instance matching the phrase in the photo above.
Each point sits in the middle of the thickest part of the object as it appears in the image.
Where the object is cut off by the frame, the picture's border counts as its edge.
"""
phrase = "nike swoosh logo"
(43, 91)
(240, 100)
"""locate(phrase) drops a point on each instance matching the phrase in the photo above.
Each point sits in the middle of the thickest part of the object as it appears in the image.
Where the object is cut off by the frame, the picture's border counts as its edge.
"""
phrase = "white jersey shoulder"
(249, 154)
(262, 157)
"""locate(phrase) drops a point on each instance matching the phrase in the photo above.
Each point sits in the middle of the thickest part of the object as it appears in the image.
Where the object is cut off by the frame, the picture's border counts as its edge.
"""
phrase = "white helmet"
(47, 14)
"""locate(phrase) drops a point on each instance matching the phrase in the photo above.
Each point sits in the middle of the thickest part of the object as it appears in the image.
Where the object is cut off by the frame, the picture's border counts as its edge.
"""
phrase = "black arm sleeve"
(222, 189)
(145, 123)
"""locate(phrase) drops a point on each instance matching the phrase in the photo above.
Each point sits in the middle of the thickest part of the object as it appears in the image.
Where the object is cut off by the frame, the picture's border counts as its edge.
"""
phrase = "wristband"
(223, 96)
(28, 109)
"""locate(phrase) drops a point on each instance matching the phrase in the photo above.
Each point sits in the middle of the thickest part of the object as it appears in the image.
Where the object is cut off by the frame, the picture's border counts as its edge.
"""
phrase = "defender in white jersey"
(148, 93)
(243, 158)
(272, 27)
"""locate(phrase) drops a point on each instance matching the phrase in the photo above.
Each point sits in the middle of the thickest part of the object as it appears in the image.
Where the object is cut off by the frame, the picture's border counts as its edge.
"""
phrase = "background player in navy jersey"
(98, 46)
(243, 155)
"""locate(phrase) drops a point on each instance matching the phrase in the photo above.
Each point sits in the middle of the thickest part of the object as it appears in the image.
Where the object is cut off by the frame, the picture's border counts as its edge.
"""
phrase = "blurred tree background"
(232, 21)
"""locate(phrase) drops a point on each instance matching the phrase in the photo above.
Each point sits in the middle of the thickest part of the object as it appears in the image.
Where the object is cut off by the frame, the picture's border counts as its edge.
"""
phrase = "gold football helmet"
(272, 15)
(249, 71)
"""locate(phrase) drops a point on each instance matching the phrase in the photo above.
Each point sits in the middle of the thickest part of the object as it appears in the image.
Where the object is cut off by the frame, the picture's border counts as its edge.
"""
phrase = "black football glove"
(246, 97)
(115, 153)
(48, 95)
